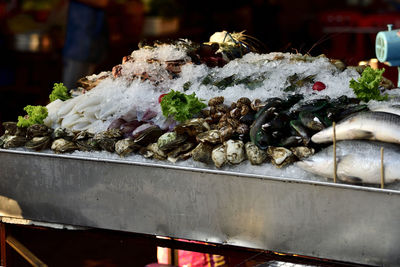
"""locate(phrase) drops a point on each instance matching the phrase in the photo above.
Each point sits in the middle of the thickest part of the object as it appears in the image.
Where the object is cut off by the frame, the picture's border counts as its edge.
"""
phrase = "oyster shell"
(61, 132)
(39, 143)
(62, 146)
(149, 135)
(125, 146)
(280, 156)
(176, 153)
(156, 152)
(202, 152)
(85, 142)
(36, 130)
(12, 141)
(211, 136)
(234, 151)
(10, 127)
(107, 139)
(218, 156)
(2, 140)
(193, 127)
(255, 155)
(302, 152)
(170, 140)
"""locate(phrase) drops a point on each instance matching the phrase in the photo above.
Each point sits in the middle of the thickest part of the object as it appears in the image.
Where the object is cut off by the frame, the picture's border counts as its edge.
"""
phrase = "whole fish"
(357, 162)
(371, 125)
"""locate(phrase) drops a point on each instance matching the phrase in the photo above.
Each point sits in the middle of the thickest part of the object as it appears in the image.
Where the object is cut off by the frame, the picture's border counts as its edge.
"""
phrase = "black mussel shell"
(301, 131)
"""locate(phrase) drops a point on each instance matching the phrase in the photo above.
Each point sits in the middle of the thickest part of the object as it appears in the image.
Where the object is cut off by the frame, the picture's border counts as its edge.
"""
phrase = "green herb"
(367, 86)
(59, 92)
(180, 105)
(36, 115)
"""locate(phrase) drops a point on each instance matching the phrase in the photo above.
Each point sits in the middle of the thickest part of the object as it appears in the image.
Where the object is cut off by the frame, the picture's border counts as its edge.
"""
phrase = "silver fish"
(394, 109)
(357, 162)
(369, 125)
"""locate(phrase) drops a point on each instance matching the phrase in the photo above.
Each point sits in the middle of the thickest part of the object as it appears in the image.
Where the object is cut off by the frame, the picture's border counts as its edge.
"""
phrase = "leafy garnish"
(59, 92)
(180, 105)
(36, 115)
(366, 87)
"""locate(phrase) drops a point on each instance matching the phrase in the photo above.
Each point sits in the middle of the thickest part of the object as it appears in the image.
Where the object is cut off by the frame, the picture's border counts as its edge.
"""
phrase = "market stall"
(137, 149)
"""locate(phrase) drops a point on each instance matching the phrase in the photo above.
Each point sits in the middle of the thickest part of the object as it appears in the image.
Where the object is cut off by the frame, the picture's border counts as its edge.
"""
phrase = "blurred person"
(86, 41)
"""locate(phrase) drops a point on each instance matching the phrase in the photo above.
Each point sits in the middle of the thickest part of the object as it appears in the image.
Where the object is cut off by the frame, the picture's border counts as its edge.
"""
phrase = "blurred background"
(33, 34)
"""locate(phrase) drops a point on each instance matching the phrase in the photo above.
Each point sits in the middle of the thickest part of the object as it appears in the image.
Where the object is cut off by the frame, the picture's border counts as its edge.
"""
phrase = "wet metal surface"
(324, 220)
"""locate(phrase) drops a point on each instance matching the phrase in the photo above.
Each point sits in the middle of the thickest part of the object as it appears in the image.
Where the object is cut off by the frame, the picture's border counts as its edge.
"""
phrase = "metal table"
(319, 219)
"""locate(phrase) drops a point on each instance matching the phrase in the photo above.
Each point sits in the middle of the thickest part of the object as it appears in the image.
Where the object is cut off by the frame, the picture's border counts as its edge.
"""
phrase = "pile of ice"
(254, 76)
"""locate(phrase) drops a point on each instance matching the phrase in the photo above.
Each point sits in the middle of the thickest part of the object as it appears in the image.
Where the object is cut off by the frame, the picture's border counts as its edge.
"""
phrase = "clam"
(12, 141)
(170, 140)
(280, 156)
(193, 127)
(218, 156)
(62, 146)
(39, 143)
(125, 146)
(212, 136)
(234, 151)
(202, 152)
(255, 155)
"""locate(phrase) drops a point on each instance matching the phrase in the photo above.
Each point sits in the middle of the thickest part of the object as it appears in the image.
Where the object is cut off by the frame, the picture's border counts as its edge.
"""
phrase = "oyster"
(61, 132)
(170, 140)
(62, 146)
(2, 140)
(36, 130)
(302, 152)
(202, 152)
(85, 142)
(10, 127)
(157, 153)
(176, 153)
(234, 151)
(125, 146)
(255, 155)
(193, 127)
(212, 136)
(107, 139)
(218, 156)
(12, 141)
(149, 134)
(39, 143)
(280, 156)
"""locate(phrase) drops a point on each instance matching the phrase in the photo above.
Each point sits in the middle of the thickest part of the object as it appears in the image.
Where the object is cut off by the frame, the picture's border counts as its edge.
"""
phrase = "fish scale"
(380, 126)
(358, 161)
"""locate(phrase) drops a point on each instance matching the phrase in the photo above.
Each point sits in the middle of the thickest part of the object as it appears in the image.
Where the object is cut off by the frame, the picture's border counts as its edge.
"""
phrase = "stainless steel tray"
(325, 220)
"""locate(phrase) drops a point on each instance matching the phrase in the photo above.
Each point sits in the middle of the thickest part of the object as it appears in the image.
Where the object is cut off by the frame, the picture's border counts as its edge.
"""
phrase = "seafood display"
(222, 103)
(356, 162)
